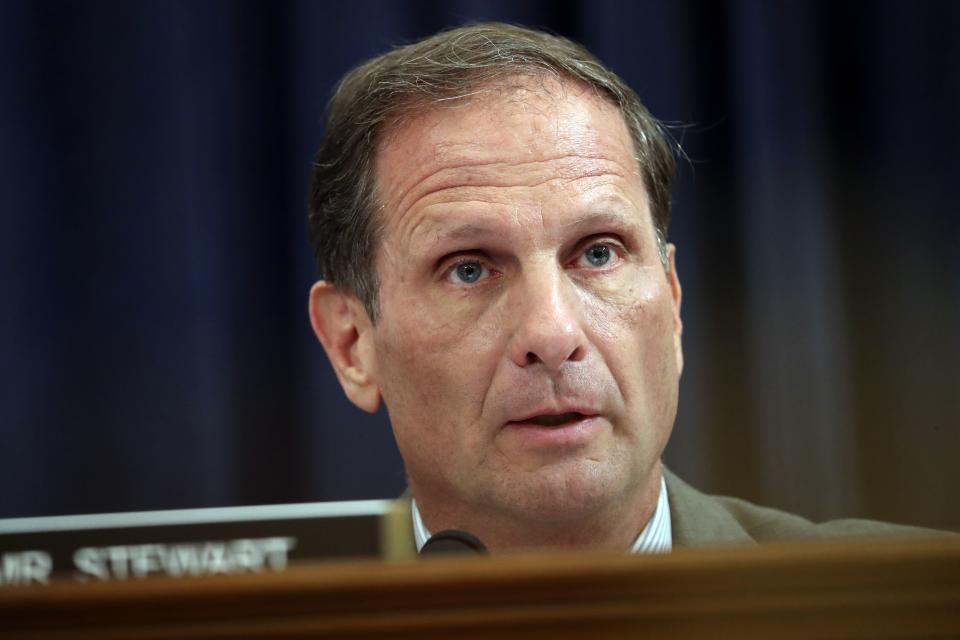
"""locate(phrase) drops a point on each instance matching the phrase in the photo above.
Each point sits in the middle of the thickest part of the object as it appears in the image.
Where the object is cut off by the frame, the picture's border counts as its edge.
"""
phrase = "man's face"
(527, 347)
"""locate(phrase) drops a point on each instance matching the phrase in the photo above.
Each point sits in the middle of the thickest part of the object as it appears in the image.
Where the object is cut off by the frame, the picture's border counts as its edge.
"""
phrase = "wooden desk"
(901, 589)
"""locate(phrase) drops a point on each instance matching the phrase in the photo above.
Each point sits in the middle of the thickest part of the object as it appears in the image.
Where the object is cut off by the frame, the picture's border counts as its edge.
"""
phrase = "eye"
(467, 272)
(597, 255)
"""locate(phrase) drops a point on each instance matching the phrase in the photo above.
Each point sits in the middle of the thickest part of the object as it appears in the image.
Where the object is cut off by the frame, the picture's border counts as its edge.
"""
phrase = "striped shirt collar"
(656, 537)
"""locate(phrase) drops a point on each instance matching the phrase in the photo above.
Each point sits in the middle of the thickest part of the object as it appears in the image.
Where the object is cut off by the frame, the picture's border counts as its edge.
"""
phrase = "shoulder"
(700, 519)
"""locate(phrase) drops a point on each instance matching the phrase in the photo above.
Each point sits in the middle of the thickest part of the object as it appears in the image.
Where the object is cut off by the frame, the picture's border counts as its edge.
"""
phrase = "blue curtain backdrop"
(155, 347)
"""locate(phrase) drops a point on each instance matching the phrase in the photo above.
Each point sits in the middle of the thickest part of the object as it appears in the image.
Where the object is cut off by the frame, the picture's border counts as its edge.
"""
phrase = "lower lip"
(572, 434)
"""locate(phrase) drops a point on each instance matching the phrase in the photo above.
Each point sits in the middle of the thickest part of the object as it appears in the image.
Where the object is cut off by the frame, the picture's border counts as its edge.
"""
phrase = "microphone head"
(452, 541)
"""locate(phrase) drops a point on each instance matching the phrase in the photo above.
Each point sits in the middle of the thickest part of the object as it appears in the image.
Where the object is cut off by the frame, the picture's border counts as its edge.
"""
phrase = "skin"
(524, 184)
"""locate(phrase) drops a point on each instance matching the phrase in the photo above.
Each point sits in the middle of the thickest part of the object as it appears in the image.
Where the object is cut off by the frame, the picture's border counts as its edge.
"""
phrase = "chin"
(562, 493)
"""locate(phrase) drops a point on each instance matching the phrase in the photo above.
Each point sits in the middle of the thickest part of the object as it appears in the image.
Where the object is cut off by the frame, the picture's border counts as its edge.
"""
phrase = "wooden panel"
(900, 589)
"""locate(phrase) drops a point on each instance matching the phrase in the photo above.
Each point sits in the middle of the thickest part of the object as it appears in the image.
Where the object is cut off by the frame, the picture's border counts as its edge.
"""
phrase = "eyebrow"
(591, 219)
(603, 218)
(466, 231)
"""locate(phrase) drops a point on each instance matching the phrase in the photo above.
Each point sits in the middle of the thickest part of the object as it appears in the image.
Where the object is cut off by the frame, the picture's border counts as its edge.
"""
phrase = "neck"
(613, 528)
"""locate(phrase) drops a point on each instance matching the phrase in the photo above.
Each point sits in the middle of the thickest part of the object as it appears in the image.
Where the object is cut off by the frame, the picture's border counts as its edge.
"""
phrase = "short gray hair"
(343, 218)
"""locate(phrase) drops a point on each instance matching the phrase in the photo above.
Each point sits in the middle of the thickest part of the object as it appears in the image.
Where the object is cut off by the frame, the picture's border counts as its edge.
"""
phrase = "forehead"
(550, 128)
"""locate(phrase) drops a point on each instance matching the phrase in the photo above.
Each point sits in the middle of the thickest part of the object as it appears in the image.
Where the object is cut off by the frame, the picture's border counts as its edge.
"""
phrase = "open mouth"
(555, 419)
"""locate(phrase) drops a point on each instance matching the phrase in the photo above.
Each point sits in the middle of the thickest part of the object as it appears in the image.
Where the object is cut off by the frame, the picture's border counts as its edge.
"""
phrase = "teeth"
(554, 420)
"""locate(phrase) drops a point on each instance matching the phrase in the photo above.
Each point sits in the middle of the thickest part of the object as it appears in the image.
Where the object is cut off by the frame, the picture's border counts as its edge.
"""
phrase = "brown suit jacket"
(699, 519)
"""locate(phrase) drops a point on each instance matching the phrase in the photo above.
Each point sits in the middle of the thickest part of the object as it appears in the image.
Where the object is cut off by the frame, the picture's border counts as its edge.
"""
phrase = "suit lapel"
(698, 519)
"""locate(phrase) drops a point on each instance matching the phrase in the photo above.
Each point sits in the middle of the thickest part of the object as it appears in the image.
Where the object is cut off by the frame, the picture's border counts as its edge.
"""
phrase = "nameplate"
(196, 542)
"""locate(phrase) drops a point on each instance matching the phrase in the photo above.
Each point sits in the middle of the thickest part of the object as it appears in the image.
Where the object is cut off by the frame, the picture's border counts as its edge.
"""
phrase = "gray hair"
(344, 220)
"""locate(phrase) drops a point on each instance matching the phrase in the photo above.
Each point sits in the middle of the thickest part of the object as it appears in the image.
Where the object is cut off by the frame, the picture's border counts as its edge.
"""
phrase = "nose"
(549, 327)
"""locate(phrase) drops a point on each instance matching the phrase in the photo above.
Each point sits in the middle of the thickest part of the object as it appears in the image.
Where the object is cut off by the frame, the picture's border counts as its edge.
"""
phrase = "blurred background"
(155, 350)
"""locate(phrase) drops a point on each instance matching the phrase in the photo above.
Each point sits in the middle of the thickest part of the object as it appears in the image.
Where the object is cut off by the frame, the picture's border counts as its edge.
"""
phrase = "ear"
(674, 281)
(346, 333)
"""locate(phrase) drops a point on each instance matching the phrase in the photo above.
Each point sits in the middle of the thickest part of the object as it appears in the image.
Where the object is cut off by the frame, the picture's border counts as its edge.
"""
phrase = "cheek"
(633, 325)
(626, 307)
(417, 393)
(435, 360)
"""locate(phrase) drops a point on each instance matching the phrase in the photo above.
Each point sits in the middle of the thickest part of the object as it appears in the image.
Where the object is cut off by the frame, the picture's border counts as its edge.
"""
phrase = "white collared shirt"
(656, 537)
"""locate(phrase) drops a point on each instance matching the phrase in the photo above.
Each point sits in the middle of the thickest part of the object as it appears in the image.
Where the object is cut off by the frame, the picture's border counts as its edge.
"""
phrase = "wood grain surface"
(896, 589)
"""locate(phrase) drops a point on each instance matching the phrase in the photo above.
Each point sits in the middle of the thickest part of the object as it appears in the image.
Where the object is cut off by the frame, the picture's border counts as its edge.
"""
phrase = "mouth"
(553, 420)
(554, 433)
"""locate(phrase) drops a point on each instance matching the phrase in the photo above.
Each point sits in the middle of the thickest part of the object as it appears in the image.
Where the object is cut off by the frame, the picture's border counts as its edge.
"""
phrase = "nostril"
(532, 358)
(578, 354)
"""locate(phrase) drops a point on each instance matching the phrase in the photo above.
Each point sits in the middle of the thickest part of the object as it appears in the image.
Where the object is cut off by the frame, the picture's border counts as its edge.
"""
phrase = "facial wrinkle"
(504, 174)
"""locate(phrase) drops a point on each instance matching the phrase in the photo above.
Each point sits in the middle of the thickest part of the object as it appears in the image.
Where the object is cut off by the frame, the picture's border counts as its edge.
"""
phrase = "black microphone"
(452, 541)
